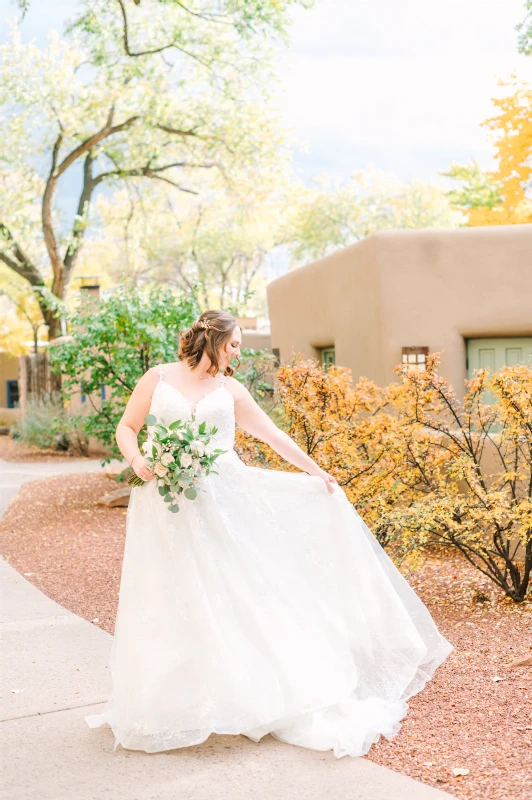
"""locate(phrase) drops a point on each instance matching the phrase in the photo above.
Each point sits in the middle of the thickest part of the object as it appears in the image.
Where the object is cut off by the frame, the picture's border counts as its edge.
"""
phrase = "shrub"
(47, 425)
(410, 458)
(114, 341)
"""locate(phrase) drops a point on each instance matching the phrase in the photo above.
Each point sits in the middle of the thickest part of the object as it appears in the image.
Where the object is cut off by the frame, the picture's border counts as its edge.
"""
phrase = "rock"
(114, 470)
(523, 662)
(116, 499)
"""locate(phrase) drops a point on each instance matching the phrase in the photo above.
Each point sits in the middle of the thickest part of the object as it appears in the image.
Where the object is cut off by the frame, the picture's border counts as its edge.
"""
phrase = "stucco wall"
(8, 371)
(403, 288)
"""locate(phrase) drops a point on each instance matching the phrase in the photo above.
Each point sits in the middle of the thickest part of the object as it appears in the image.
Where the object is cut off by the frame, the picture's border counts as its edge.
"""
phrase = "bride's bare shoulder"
(148, 380)
(237, 389)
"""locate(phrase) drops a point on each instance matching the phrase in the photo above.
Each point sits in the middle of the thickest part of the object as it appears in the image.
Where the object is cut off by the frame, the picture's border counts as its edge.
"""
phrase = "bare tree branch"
(153, 172)
(23, 265)
(78, 230)
(177, 131)
(153, 51)
(92, 141)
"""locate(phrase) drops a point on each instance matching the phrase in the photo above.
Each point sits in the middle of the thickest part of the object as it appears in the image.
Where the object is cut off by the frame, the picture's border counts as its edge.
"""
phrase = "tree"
(114, 342)
(138, 92)
(23, 318)
(247, 17)
(502, 196)
(525, 31)
(335, 214)
(218, 241)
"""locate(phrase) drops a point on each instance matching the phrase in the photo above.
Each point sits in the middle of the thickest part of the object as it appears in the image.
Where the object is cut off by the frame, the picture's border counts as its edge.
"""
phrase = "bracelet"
(134, 457)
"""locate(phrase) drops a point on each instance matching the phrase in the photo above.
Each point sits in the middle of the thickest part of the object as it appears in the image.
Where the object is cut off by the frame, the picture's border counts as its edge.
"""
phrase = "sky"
(402, 85)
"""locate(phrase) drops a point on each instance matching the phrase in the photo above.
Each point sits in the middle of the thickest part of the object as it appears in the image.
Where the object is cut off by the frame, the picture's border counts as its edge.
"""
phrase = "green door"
(493, 354)
(497, 353)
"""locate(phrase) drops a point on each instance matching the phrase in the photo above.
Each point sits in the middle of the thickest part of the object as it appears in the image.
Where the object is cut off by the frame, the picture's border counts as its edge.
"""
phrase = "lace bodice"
(216, 407)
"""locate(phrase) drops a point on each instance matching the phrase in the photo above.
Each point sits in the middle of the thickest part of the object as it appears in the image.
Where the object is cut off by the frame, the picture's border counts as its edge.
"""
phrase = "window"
(12, 394)
(328, 356)
(84, 396)
(415, 358)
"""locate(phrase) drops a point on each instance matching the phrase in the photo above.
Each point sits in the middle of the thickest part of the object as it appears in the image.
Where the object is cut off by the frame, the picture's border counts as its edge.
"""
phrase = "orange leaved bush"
(421, 468)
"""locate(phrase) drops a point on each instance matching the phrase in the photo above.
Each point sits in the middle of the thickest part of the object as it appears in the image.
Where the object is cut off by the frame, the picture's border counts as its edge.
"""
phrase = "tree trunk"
(35, 378)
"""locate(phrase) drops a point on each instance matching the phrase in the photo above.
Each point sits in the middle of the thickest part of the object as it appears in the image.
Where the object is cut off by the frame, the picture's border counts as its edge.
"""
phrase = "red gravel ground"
(474, 715)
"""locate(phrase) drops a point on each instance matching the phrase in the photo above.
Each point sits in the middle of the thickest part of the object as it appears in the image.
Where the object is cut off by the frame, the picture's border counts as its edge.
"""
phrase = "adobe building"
(398, 295)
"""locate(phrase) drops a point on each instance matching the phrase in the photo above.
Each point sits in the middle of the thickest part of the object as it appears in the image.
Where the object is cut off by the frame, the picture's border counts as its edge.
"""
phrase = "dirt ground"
(474, 715)
(14, 450)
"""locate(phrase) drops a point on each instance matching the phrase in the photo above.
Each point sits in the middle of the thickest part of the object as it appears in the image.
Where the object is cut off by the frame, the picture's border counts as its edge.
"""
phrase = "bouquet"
(180, 455)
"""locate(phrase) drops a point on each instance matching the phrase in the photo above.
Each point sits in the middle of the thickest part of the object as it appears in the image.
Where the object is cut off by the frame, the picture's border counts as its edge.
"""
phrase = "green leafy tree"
(113, 342)
(336, 214)
(525, 31)
(476, 189)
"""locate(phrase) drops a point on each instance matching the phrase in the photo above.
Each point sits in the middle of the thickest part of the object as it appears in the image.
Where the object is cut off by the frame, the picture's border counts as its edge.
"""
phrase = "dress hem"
(389, 731)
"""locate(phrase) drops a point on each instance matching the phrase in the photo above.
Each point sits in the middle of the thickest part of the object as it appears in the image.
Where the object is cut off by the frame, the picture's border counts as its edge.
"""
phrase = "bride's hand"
(141, 469)
(329, 480)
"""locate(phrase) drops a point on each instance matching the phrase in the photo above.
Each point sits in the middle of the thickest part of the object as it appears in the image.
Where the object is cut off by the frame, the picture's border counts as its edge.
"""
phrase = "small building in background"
(397, 296)
(252, 336)
(9, 396)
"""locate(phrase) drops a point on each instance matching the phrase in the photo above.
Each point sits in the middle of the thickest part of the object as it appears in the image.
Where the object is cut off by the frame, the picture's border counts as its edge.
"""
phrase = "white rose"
(185, 459)
(208, 451)
(195, 464)
(198, 447)
(167, 459)
(160, 470)
(147, 447)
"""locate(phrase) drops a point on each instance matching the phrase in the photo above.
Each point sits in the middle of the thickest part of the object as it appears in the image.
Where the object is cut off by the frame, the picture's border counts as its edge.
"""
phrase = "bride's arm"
(132, 421)
(250, 416)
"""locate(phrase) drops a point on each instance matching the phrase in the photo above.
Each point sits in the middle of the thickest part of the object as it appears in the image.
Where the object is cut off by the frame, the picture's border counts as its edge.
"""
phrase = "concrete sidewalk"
(55, 671)
(13, 474)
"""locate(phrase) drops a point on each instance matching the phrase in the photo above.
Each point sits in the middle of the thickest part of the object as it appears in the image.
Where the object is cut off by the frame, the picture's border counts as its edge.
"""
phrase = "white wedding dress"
(265, 605)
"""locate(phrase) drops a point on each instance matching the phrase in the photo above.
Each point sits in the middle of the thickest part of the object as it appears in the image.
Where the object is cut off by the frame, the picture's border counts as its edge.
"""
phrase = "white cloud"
(394, 77)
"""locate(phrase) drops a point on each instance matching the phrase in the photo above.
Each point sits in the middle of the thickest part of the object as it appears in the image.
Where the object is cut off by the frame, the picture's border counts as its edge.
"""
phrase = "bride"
(265, 605)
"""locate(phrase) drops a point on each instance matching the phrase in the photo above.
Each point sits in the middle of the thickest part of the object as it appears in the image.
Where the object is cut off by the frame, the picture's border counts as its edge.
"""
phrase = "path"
(55, 671)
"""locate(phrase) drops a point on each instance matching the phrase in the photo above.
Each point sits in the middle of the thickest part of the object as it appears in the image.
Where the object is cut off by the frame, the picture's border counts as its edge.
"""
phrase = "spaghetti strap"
(223, 380)
(160, 368)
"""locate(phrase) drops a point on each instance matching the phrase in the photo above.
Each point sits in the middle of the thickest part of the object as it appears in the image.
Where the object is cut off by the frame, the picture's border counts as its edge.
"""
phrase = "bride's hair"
(207, 334)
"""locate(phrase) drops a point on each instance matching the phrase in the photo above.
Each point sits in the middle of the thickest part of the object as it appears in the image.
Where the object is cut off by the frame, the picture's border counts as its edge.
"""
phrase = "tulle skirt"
(266, 605)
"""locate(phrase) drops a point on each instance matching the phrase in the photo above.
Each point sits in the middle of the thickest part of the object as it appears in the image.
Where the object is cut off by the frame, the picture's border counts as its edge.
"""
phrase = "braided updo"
(210, 332)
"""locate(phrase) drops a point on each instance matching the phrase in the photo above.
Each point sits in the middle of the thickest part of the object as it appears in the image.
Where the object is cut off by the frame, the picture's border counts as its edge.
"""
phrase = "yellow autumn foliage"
(413, 459)
(511, 127)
